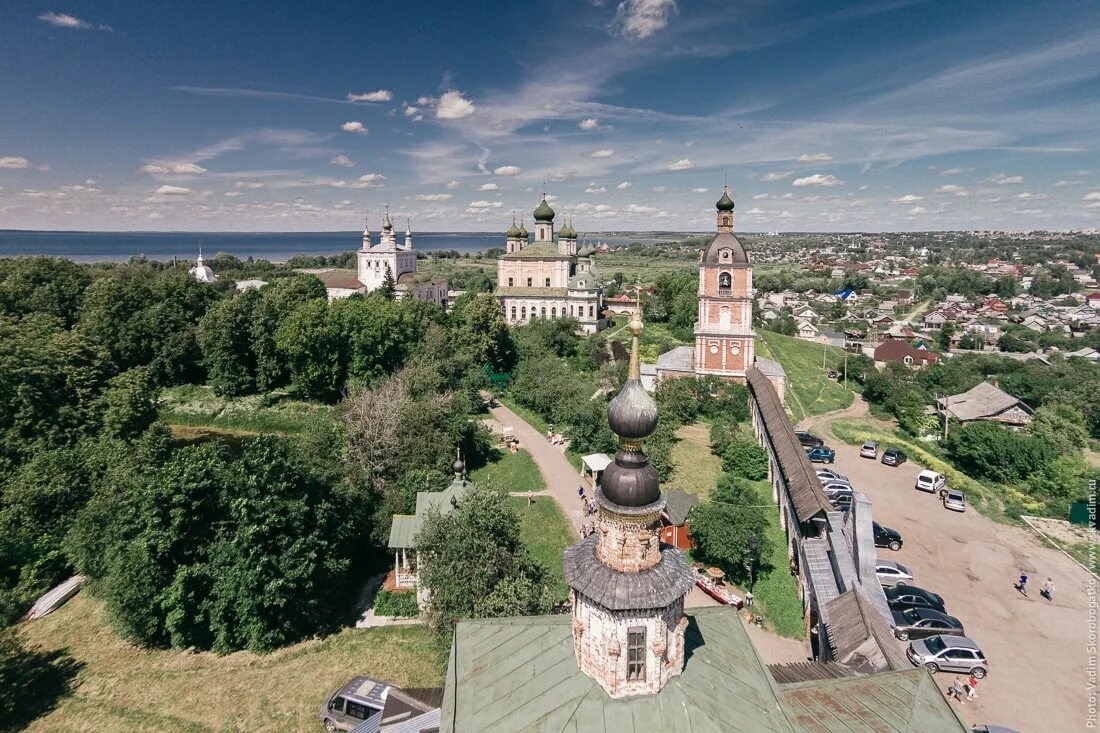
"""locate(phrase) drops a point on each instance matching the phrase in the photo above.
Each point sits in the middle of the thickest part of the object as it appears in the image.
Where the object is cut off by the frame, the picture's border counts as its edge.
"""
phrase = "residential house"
(987, 401)
(807, 313)
(898, 351)
(903, 295)
(674, 518)
(806, 330)
(934, 319)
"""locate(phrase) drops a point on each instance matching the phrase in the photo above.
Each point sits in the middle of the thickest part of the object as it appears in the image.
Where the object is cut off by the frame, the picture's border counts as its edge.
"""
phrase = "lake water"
(275, 246)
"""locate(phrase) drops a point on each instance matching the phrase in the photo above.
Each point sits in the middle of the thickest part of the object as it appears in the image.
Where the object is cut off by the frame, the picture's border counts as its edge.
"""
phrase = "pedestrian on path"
(971, 687)
(1022, 586)
(956, 690)
(1047, 590)
(580, 492)
(530, 498)
(748, 599)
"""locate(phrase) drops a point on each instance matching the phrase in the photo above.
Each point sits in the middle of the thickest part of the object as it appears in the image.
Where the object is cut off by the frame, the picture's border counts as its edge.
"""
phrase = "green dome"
(513, 231)
(567, 232)
(543, 212)
(725, 203)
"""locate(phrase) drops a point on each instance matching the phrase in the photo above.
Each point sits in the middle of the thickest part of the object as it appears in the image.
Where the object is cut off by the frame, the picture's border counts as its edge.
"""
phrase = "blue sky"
(825, 116)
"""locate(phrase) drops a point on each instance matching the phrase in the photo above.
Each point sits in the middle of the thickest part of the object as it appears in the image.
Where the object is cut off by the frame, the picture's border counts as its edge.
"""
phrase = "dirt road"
(1037, 650)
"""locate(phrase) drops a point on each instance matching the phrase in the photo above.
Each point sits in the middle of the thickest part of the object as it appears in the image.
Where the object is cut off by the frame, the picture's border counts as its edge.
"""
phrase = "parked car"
(821, 454)
(836, 487)
(808, 440)
(953, 499)
(886, 537)
(903, 596)
(358, 700)
(869, 450)
(949, 653)
(834, 374)
(841, 501)
(893, 457)
(891, 573)
(919, 623)
(930, 481)
(828, 474)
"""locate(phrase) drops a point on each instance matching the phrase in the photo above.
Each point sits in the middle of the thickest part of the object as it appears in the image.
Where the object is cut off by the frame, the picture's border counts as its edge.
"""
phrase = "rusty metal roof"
(859, 636)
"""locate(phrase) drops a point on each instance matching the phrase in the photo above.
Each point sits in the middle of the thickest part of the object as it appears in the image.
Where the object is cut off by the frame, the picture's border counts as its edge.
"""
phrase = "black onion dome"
(633, 413)
(630, 481)
(725, 203)
(458, 466)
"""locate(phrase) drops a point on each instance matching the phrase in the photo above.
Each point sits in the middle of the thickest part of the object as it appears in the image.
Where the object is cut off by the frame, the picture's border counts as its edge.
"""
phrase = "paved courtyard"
(1037, 650)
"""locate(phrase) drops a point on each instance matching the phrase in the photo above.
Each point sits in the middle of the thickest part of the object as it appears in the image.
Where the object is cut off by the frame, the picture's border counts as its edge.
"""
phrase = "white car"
(836, 487)
(869, 450)
(930, 481)
(891, 573)
(827, 474)
(954, 500)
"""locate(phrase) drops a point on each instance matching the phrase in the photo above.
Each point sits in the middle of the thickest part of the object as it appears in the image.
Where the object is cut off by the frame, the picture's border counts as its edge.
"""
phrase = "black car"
(841, 501)
(893, 457)
(809, 440)
(919, 623)
(902, 597)
(886, 537)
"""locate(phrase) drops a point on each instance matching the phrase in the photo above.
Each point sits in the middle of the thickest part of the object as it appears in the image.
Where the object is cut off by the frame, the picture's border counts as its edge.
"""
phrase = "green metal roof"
(404, 527)
(520, 674)
(537, 250)
(403, 531)
(891, 702)
(533, 292)
(543, 212)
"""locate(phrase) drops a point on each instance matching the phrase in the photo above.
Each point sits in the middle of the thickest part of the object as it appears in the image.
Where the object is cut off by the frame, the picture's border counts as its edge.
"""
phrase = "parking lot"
(1037, 650)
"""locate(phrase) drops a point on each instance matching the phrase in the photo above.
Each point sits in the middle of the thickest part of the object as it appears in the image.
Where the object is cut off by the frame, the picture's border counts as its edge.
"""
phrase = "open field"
(695, 467)
(809, 389)
(122, 687)
(547, 534)
(512, 471)
(198, 407)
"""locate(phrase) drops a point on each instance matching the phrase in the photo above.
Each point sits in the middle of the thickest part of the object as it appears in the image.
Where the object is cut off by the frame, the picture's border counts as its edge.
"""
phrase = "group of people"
(588, 529)
(963, 691)
(1047, 591)
(589, 504)
(554, 438)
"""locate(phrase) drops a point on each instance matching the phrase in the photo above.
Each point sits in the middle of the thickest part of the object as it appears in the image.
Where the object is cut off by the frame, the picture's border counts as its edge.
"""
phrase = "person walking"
(971, 687)
(1047, 590)
(580, 492)
(1022, 587)
(956, 690)
(530, 498)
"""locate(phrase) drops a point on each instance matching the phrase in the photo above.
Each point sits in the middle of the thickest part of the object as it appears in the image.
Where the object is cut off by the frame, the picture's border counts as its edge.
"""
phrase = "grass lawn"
(531, 417)
(546, 533)
(513, 471)
(695, 468)
(198, 407)
(809, 389)
(121, 687)
(776, 590)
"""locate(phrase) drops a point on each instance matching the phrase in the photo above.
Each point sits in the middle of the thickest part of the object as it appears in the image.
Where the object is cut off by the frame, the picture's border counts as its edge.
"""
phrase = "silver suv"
(360, 699)
(949, 653)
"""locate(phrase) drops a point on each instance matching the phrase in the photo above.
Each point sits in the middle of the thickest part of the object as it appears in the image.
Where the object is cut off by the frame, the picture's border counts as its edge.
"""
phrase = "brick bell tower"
(725, 344)
(627, 591)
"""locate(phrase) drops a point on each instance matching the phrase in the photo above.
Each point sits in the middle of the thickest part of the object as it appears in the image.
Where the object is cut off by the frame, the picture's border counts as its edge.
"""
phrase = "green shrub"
(396, 603)
(746, 459)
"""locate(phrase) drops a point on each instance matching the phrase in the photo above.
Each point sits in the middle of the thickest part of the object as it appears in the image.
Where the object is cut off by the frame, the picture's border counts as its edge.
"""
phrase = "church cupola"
(388, 238)
(567, 239)
(725, 211)
(408, 234)
(523, 233)
(515, 238)
(544, 221)
(627, 591)
(366, 235)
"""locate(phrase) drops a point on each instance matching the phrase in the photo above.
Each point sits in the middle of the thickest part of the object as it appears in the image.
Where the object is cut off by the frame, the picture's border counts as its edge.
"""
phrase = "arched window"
(554, 312)
(725, 283)
(523, 313)
(591, 311)
(513, 313)
(543, 313)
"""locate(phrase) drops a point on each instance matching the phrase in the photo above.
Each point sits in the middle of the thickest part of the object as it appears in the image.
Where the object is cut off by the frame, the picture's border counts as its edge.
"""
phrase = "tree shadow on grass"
(32, 681)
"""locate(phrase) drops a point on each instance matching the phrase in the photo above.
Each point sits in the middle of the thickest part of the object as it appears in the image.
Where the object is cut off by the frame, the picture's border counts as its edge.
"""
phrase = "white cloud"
(593, 188)
(955, 171)
(482, 206)
(906, 199)
(411, 111)
(248, 185)
(636, 209)
(508, 170)
(681, 165)
(354, 126)
(605, 153)
(917, 210)
(660, 189)
(1004, 180)
(589, 123)
(814, 158)
(452, 184)
(952, 188)
(1060, 184)
(488, 187)
(642, 18)
(14, 162)
(382, 95)
(817, 179)
(61, 20)
(699, 190)
(343, 160)
(173, 191)
(173, 169)
(1028, 196)
(433, 197)
(1091, 196)
(770, 177)
(624, 185)
(372, 178)
(755, 210)
(232, 194)
(453, 106)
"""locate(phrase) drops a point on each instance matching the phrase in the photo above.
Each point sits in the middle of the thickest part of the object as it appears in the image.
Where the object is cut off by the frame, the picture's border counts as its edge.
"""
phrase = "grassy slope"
(512, 471)
(546, 533)
(695, 467)
(126, 688)
(198, 407)
(809, 389)
(776, 590)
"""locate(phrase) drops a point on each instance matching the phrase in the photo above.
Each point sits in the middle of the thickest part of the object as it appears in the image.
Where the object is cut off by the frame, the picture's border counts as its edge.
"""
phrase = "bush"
(396, 603)
(745, 459)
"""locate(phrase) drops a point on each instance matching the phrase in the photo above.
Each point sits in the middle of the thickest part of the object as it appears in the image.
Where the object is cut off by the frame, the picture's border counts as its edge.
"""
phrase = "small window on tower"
(510, 282)
(547, 282)
(635, 653)
(725, 281)
(528, 282)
